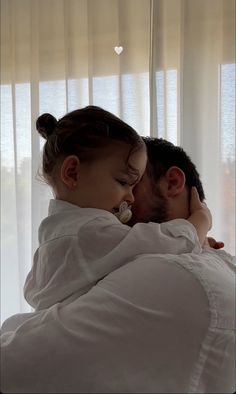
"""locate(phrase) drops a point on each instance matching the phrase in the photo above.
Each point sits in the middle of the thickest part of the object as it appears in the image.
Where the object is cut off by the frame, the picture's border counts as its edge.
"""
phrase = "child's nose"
(129, 197)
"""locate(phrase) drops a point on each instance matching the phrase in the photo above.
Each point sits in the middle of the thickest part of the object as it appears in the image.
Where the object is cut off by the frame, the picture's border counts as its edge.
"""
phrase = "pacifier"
(124, 214)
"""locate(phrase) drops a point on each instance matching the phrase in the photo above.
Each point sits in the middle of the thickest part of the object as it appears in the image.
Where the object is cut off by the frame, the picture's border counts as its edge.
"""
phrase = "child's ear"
(175, 178)
(70, 171)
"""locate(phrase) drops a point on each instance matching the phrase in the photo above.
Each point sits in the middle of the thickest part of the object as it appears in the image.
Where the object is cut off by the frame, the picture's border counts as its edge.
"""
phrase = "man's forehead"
(145, 178)
(144, 185)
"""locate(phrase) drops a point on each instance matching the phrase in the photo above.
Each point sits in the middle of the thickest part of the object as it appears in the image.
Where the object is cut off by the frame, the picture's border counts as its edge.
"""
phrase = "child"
(92, 160)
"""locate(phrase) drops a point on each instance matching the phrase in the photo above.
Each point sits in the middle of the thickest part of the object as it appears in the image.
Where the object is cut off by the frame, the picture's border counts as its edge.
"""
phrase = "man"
(166, 185)
(160, 323)
(168, 166)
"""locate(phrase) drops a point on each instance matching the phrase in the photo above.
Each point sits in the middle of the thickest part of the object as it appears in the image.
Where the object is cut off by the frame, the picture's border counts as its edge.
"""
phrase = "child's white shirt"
(80, 246)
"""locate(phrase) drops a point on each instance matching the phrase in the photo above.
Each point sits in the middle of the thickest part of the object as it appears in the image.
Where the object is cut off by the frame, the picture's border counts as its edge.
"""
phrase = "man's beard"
(159, 212)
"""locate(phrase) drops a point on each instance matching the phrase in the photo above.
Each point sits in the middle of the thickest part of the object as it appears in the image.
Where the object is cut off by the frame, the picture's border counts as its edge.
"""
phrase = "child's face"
(106, 182)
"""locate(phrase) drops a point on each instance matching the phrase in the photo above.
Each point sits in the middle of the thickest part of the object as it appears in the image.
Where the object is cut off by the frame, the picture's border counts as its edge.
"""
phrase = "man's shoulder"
(205, 280)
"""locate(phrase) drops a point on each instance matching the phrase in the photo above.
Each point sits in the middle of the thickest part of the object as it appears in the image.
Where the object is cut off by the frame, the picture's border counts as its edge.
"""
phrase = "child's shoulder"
(66, 219)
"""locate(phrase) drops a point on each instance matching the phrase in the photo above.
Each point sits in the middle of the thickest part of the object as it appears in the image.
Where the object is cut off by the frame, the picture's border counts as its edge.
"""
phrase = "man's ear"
(70, 171)
(175, 178)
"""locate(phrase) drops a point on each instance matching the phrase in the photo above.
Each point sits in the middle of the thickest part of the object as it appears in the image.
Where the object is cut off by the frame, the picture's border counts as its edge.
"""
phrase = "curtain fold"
(175, 78)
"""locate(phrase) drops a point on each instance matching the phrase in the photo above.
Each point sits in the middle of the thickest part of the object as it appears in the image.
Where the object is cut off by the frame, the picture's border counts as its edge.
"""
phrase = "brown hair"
(83, 132)
(162, 155)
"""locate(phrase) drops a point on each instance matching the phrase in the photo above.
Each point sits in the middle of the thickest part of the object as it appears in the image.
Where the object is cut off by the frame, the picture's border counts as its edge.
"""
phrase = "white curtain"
(175, 78)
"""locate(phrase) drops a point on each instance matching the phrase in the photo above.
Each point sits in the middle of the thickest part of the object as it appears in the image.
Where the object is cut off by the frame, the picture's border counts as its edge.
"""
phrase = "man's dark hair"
(163, 154)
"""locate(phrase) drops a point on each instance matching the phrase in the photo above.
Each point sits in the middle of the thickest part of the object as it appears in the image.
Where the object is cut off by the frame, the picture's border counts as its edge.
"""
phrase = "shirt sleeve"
(114, 245)
(68, 266)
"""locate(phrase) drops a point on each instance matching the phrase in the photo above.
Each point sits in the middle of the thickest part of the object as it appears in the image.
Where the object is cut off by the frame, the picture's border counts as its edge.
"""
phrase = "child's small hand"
(209, 241)
(197, 206)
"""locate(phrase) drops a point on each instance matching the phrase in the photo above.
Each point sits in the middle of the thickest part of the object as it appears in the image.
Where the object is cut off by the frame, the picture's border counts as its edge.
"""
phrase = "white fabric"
(79, 246)
(174, 79)
(158, 324)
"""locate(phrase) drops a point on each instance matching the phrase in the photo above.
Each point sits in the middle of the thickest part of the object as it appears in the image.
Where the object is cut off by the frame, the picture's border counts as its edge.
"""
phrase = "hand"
(197, 206)
(209, 241)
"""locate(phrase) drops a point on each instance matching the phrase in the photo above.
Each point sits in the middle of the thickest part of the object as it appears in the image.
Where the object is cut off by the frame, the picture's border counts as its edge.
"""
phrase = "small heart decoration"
(118, 50)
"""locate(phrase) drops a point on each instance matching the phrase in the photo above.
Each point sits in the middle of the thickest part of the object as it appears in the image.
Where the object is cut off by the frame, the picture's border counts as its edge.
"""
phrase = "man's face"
(150, 204)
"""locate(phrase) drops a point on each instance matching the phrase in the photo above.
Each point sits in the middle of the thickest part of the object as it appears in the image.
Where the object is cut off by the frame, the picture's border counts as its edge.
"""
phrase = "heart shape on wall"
(118, 50)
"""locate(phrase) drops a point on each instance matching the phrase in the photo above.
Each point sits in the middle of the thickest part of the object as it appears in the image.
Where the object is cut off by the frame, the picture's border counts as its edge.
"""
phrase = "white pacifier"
(124, 214)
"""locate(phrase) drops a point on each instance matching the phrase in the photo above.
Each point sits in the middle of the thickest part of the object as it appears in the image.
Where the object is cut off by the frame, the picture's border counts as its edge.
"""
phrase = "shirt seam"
(59, 237)
(204, 350)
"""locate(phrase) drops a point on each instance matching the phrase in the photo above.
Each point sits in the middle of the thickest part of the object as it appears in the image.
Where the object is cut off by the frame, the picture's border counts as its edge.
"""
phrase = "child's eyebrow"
(132, 173)
(134, 178)
(130, 176)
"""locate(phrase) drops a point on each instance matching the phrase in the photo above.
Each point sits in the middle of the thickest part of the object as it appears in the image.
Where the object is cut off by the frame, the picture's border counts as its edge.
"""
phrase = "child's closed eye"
(122, 182)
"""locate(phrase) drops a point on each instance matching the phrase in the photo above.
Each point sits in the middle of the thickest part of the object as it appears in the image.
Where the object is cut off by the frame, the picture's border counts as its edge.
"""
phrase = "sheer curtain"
(175, 78)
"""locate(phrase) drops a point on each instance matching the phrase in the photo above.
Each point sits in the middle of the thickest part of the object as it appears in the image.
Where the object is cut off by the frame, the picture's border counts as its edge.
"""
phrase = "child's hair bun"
(46, 124)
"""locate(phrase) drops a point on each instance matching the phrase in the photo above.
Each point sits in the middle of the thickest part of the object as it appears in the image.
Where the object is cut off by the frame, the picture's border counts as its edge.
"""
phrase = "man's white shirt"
(151, 322)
